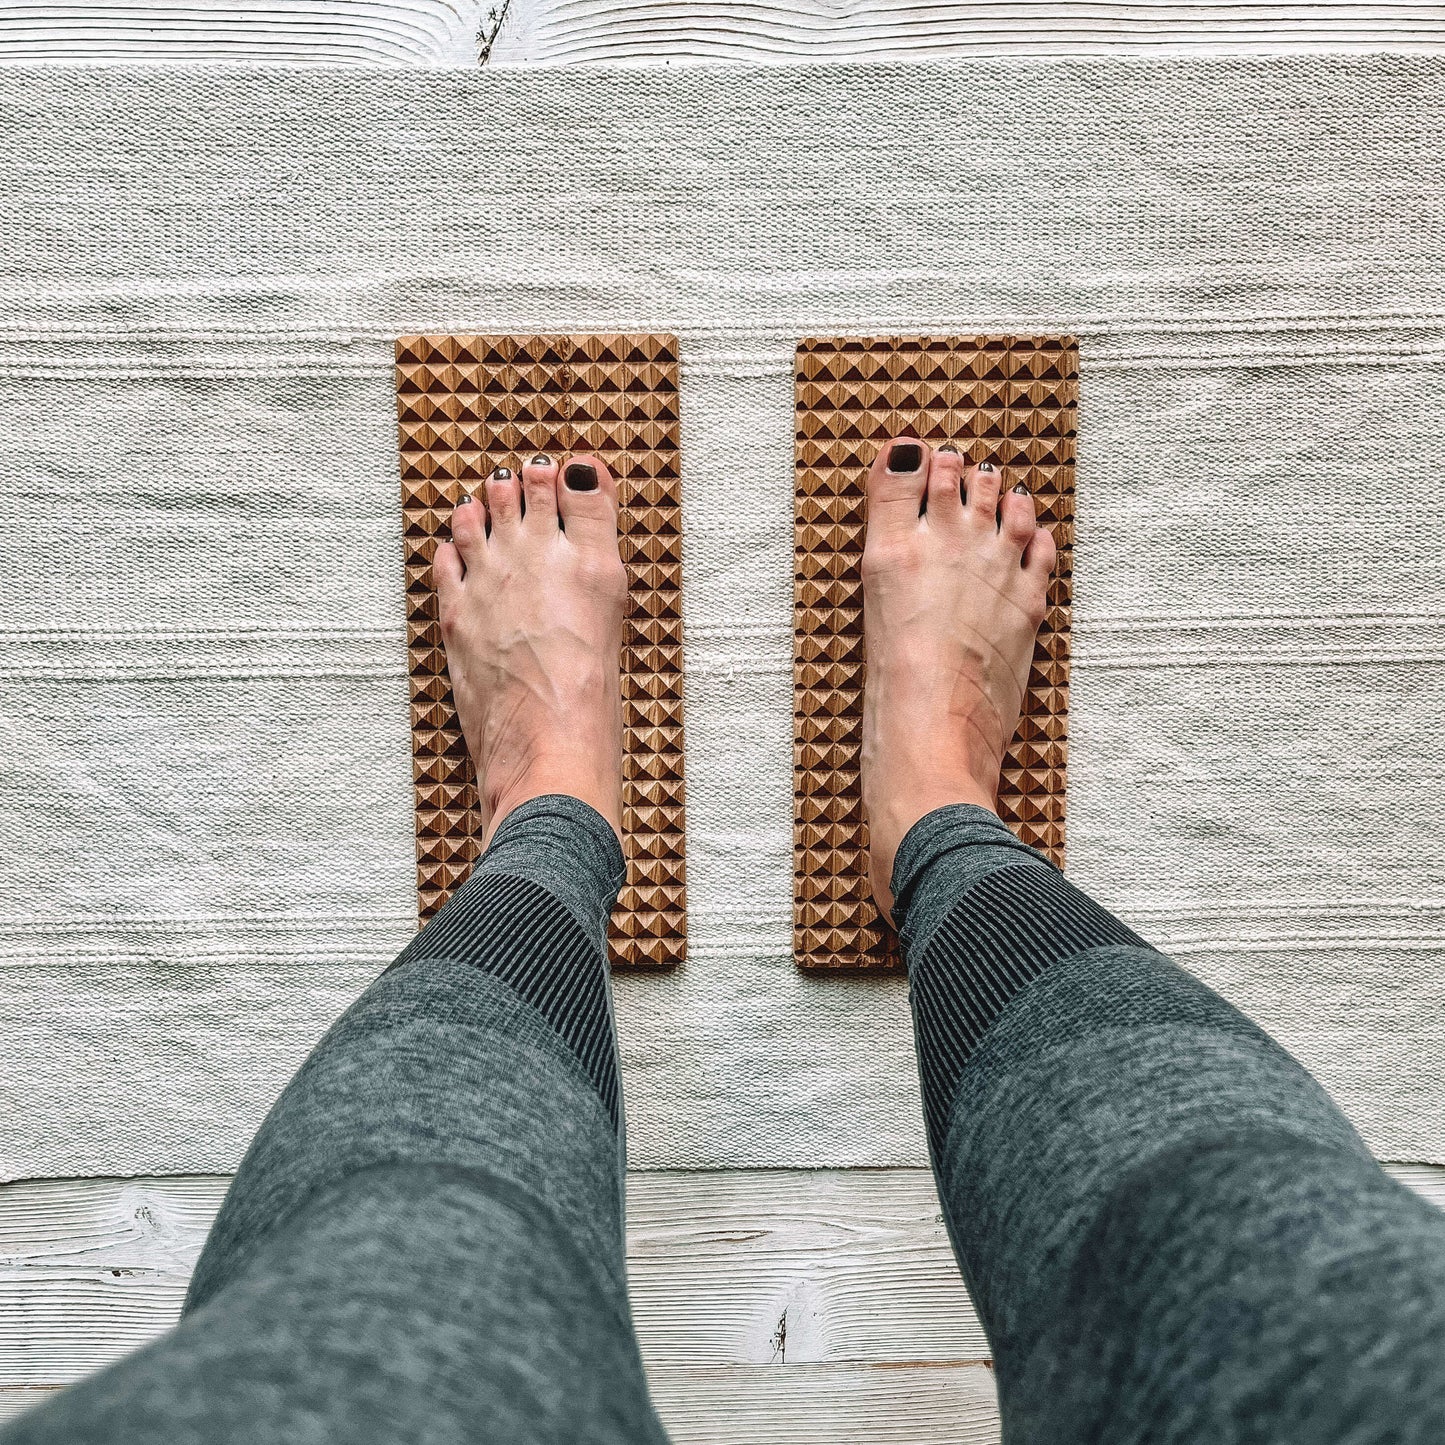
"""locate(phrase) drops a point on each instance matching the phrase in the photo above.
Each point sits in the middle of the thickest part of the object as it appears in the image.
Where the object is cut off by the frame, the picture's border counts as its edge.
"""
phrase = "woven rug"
(206, 800)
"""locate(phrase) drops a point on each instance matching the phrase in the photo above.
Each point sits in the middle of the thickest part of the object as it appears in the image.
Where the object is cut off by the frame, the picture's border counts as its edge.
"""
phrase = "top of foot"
(955, 582)
(531, 594)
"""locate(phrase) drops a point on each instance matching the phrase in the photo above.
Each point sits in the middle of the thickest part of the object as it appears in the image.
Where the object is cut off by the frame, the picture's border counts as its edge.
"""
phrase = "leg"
(1169, 1230)
(425, 1240)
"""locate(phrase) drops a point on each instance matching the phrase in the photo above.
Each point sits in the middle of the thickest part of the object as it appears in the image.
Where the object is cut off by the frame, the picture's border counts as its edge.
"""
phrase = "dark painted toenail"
(541, 460)
(950, 448)
(1022, 490)
(985, 466)
(463, 500)
(581, 477)
(502, 474)
(905, 457)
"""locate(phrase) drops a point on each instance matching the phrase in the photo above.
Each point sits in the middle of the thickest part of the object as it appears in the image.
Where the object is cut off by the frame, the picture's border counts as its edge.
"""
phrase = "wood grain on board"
(795, 1306)
(1011, 399)
(786, 32)
(467, 404)
(432, 33)
(410, 33)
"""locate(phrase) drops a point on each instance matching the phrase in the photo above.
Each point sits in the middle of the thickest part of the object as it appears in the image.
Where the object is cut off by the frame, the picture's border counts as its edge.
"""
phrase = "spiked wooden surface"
(466, 404)
(1011, 399)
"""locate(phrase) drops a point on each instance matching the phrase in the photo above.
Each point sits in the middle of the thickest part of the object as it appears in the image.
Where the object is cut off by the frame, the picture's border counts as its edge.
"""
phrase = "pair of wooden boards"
(466, 404)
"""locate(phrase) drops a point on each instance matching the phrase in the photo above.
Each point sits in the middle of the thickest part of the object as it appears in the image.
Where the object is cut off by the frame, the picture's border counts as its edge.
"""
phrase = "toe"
(981, 486)
(945, 485)
(446, 572)
(1040, 555)
(539, 492)
(504, 502)
(897, 484)
(587, 499)
(469, 529)
(1016, 517)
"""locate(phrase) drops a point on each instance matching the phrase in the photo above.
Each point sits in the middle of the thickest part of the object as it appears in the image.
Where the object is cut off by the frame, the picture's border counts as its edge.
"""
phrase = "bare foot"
(532, 593)
(955, 579)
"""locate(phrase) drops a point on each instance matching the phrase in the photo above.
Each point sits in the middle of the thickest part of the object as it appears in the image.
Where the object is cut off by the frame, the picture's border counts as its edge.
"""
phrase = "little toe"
(587, 500)
(945, 485)
(469, 529)
(981, 485)
(1040, 555)
(897, 485)
(504, 503)
(1016, 517)
(539, 492)
(446, 571)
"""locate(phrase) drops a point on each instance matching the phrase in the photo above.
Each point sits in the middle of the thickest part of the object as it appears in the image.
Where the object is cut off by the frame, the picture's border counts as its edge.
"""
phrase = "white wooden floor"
(773, 1306)
(553, 32)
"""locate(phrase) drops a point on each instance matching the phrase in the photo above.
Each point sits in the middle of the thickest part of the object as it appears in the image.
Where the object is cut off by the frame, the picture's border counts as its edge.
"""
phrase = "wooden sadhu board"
(466, 404)
(1009, 399)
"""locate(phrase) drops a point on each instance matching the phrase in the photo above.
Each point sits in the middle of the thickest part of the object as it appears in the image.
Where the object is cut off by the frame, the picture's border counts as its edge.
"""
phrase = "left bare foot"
(532, 594)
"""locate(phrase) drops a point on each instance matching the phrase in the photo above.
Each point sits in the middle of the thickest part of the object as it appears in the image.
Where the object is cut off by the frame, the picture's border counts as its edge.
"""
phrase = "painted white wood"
(797, 1405)
(1427, 1180)
(796, 1267)
(751, 1268)
(462, 32)
(827, 1404)
(772, 1306)
(776, 1305)
(782, 31)
(13, 1401)
(358, 32)
(727, 1269)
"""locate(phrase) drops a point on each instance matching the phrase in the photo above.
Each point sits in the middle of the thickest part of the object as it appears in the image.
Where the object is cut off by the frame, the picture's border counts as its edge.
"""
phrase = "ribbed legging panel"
(1005, 931)
(516, 931)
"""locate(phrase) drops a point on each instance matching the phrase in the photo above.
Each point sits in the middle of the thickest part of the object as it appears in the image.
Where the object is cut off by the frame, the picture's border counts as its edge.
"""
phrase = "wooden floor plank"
(336, 32)
(798, 1267)
(773, 1306)
(727, 1269)
(748, 1268)
(827, 1404)
(798, 1405)
(783, 31)
(14, 1400)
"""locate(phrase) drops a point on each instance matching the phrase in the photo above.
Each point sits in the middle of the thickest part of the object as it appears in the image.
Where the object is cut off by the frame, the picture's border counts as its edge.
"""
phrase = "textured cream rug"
(205, 802)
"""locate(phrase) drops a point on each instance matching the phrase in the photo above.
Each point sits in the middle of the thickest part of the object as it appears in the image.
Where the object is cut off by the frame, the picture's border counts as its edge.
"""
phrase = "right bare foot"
(531, 592)
(955, 581)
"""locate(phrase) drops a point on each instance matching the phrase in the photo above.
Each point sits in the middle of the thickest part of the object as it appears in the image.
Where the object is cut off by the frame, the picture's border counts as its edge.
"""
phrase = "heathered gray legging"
(1170, 1232)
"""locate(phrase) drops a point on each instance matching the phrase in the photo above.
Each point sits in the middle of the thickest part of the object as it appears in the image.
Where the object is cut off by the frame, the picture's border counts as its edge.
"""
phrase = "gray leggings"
(1170, 1232)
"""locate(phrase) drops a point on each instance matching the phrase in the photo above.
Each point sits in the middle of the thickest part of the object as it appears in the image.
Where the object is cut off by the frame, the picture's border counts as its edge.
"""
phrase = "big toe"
(897, 485)
(587, 501)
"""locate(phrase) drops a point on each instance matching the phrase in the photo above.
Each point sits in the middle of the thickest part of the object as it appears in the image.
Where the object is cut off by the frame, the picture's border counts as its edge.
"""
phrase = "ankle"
(563, 844)
(573, 777)
(890, 821)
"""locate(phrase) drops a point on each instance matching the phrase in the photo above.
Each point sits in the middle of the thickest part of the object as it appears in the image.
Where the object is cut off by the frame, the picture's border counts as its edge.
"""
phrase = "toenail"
(581, 477)
(949, 447)
(502, 474)
(541, 460)
(463, 500)
(905, 457)
(1022, 490)
(985, 466)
